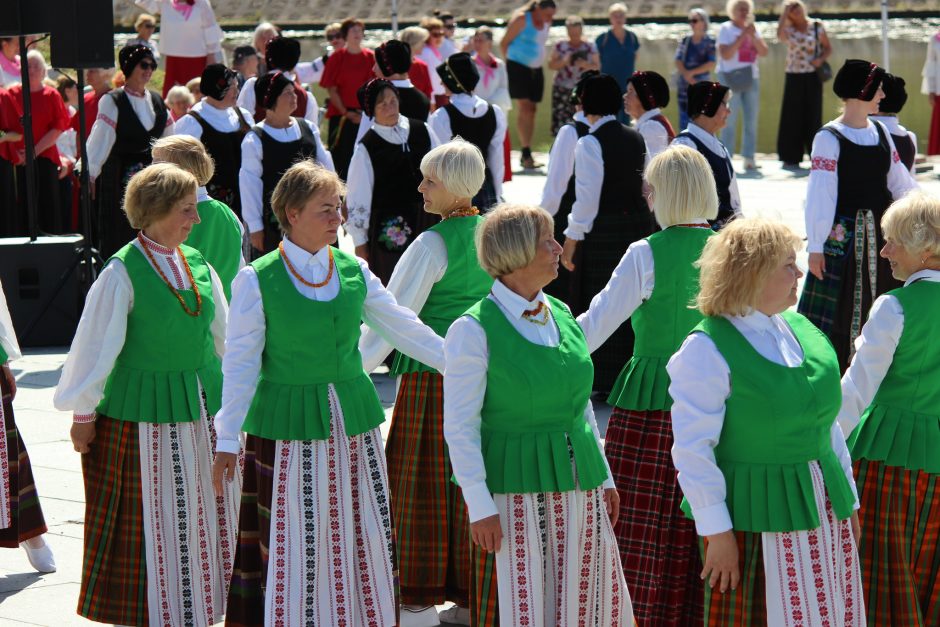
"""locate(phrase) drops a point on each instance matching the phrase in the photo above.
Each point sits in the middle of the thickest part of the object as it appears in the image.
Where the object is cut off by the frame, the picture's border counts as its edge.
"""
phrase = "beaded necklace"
(530, 315)
(296, 274)
(189, 274)
(461, 213)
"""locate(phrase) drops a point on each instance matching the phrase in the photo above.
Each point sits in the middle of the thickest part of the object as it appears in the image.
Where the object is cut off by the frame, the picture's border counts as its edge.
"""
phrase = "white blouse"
(250, 186)
(103, 327)
(195, 33)
(496, 91)
(473, 106)
(433, 60)
(226, 120)
(422, 265)
(874, 353)
(931, 71)
(714, 144)
(654, 133)
(104, 130)
(560, 165)
(244, 343)
(701, 383)
(467, 355)
(310, 72)
(894, 128)
(361, 177)
(7, 333)
(823, 187)
(246, 99)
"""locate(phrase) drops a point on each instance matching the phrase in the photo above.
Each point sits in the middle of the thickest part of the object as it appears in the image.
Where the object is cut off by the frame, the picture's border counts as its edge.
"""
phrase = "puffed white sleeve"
(630, 284)
(900, 180)
(841, 449)
(212, 34)
(217, 328)
(656, 139)
(494, 157)
(249, 183)
(323, 155)
(246, 97)
(187, 125)
(588, 179)
(700, 385)
(560, 167)
(399, 326)
(170, 128)
(8, 342)
(439, 122)
(102, 135)
(98, 341)
(421, 266)
(241, 365)
(312, 112)
(365, 123)
(435, 140)
(822, 191)
(361, 180)
(929, 84)
(682, 140)
(467, 356)
(591, 419)
(500, 95)
(874, 352)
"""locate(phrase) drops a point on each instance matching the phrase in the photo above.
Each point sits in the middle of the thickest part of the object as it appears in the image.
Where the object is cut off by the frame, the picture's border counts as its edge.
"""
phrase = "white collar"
(513, 303)
(202, 195)
(648, 115)
(160, 249)
(757, 321)
(926, 274)
(300, 258)
(579, 117)
(469, 98)
(891, 123)
(402, 124)
(601, 122)
(404, 83)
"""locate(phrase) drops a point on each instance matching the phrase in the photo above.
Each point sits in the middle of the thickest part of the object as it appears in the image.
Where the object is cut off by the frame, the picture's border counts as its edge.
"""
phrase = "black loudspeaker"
(82, 34)
(31, 272)
(26, 17)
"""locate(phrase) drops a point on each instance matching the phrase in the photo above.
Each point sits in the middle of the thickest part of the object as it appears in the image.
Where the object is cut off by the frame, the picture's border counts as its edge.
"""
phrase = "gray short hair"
(458, 165)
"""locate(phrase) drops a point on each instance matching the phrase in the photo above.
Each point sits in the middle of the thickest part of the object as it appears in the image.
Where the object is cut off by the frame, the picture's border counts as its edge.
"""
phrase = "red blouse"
(347, 72)
(48, 112)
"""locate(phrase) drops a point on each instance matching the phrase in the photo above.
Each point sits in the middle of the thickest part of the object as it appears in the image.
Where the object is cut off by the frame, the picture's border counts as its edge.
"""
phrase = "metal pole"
(28, 139)
(84, 204)
(885, 54)
(394, 19)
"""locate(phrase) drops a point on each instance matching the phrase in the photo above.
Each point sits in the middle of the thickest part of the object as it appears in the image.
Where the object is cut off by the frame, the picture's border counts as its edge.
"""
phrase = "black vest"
(862, 173)
(723, 172)
(567, 199)
(131, 138)
(907, 151)
(225, 150)
(478, 131)
(276, 158)
(413, 104)
(624, 152)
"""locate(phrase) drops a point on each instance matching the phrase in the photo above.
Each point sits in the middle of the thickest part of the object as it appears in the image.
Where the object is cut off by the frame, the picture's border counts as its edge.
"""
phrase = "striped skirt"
(20, 514)
(315, 541)
(794, 579)
(430, 515)
(658, 544)
(159, 543)
(900, 518)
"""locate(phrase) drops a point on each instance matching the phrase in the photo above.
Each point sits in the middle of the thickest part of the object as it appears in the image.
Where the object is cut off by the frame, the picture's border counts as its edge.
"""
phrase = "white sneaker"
(41, 559)
(418, 617)
(455, 615)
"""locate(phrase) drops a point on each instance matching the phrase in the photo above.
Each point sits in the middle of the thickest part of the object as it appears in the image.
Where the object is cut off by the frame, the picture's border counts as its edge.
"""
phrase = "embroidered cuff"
(84, 418)
(712, 519)
(228, 446)
(480, 503)
(573, 232)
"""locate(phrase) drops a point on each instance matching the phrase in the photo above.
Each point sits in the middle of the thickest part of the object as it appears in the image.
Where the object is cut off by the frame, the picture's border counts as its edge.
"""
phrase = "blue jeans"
(748, 101)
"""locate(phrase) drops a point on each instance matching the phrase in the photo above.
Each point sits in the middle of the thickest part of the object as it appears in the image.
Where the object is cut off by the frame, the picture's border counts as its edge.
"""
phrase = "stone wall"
(287, 12)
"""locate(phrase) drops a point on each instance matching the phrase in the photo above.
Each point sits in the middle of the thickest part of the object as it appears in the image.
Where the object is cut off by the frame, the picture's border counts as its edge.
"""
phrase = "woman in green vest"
(761, 459)
(440, 277)
(143, 379)
(653, 285)
(316, 539)
(218, 234)
(891, 417)
(524, 444)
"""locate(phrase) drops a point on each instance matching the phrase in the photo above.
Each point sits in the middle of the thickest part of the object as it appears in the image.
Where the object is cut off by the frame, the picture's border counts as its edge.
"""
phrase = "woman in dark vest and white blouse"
(470, 117)
(647, 94)
(272, 146)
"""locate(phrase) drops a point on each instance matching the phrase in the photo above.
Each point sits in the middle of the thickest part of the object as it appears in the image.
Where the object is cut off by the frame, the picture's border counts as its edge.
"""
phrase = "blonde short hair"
(736, 263)
(179, 93)
(332, 27)
(414, 36)
(188, 153)
(683, 186)
(429, 21)
(729, 7)
(509, 237)
(152, 193)
(913, 222)
(144, 18)
(617, 7)
(299, 184)
(459, 165)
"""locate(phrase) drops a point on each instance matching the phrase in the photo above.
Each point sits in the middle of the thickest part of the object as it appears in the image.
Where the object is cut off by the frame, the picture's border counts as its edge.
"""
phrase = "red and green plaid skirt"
(746, 606)
(658, 545)
(429, 511)
(25, 513)
(484, 593)
(900, 560)
(114, 572)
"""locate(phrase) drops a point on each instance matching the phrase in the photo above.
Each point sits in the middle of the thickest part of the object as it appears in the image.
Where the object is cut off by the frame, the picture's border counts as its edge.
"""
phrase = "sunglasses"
(149, 26)
(146, 65)
(437, 33)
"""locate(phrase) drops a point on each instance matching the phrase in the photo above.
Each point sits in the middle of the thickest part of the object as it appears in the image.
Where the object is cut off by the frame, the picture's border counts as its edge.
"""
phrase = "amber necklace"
(329, 274)
(461, 213)
(189, 274)
(531, 315)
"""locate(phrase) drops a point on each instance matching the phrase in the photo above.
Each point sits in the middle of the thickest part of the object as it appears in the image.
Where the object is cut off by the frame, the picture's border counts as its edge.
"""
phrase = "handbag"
(740, 79)
(824, 71)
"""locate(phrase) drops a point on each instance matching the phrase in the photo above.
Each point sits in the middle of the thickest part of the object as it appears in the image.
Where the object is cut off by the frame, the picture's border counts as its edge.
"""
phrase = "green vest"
(309, 345)
(464, 283)
(663, 321)
(167, 353)
(902, 425)
(3, 355)
(534, 407)
(777, 420)
(218, 237)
